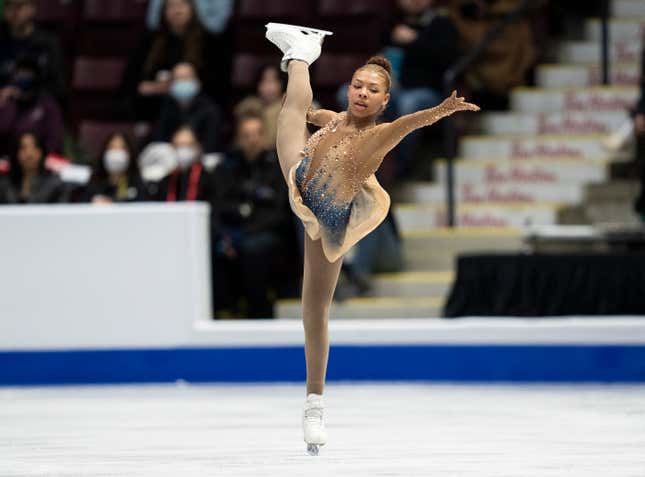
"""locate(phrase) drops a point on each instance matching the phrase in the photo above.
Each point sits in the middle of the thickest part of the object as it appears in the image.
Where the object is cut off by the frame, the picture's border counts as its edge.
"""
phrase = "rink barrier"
(463, 350)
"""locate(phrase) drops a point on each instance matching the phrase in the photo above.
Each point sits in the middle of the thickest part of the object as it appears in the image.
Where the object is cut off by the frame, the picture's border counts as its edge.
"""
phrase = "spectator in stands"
(270, 84)
(28, 181)
(180, 38)
(189, 181)
(508, 61)
(21, 38)
(253, 210)
(25, 106)
(115, 177)
(185, 104)
(214, 14)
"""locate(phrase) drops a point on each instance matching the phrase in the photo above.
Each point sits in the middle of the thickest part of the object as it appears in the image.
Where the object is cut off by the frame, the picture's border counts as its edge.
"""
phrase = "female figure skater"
(332, 187)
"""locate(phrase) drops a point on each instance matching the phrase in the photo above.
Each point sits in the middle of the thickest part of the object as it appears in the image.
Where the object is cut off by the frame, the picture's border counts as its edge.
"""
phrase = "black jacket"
(202, 115)
(136, 190)
(253, 197)
(46, 188)
(40, 47)
(427, 58)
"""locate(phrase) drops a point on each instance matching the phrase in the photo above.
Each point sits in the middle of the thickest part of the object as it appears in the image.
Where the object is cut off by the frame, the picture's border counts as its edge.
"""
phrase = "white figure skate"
(296, 42)
(313, 424)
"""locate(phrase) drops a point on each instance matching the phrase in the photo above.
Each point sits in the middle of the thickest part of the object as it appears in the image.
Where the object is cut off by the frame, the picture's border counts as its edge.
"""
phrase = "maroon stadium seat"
(345, 8)
(92, 134)
(57, 11)
(275, 10)
(245, 68)
(97, 74)
(114, 10)
(333, 70)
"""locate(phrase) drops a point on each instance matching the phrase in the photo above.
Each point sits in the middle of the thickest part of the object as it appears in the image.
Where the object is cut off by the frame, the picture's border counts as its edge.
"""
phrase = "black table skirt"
(548, 285)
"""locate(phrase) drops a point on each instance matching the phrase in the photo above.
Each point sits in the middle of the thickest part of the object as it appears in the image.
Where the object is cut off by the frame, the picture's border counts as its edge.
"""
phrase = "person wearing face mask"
(185, 104)
(25, 107)
(115, 177)
(180, 37)
(189, 181)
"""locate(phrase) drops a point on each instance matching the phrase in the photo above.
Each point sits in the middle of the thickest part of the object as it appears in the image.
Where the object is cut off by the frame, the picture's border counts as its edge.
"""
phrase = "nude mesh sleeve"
(388, 135)
(392, 133)
(320, 117)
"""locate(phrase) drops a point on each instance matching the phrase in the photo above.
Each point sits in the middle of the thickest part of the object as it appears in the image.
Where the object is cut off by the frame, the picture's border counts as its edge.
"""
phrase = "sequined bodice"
(336, 163)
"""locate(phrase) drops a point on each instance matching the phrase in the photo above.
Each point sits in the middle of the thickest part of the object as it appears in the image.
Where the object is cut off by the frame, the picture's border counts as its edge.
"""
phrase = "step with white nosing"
(593, 99)
(438, 249)
(412, 284)
(565, 75)
(512, 193)
(411, 217)
(619, 28)
(552, 123)
(531, 171)
(531, 146)
(628, 8)
(362, 308)
(584, 52)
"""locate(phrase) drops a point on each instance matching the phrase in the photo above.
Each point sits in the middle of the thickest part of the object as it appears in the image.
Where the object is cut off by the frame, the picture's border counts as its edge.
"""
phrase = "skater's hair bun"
(381, 65)
(381, 61)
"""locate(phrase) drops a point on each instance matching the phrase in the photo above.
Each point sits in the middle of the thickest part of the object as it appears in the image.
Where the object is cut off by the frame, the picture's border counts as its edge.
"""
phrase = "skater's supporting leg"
(319, 282)
(292, 121)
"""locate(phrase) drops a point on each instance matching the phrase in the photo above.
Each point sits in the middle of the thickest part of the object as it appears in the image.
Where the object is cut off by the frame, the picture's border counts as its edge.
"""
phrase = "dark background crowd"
(177, 100)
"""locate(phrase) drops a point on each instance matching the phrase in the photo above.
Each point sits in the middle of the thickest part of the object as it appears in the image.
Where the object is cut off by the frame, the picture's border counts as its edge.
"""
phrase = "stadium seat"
(275, 10)
(92, 134)
(333, 70)
(97, 74)
(245, 67)
(57, 11)
(115, 11)
(344, 8)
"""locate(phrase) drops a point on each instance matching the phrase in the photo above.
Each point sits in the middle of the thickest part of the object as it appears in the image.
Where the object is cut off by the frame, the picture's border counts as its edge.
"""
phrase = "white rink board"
(402, 430)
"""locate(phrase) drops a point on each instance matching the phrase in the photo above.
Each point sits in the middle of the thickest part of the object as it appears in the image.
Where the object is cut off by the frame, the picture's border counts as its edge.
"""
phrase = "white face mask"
(186, 155)
(116, 160)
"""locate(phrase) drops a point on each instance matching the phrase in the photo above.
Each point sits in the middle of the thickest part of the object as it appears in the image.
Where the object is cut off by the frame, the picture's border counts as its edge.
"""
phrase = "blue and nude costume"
(333, 189)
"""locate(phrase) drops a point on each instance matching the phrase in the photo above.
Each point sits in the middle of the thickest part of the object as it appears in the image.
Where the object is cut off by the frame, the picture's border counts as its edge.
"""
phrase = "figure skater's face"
(367, 95)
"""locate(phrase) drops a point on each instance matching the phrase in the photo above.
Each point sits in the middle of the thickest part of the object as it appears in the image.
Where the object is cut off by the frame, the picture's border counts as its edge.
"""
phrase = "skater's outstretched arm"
(388, 135)
(320, 117)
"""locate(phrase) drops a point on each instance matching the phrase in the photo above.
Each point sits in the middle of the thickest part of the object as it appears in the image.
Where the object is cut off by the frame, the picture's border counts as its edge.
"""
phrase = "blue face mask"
(184, 90)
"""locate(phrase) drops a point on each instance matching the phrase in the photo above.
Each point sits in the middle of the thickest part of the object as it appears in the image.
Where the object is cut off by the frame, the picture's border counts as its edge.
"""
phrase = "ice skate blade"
(307, 30)
(313, 449)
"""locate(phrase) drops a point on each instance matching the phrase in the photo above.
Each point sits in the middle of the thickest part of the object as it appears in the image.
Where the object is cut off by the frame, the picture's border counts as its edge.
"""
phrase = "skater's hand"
(459, 103)
(639, 124)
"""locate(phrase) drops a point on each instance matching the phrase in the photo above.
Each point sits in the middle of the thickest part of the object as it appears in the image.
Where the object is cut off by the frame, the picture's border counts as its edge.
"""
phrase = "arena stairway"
(544, 162)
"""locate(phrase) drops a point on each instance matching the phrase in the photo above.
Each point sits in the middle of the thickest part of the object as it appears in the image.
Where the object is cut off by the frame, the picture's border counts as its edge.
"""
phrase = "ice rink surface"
(374, 430)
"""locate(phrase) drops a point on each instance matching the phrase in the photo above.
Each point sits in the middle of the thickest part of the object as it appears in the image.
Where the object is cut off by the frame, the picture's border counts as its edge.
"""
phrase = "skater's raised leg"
(292, 120)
